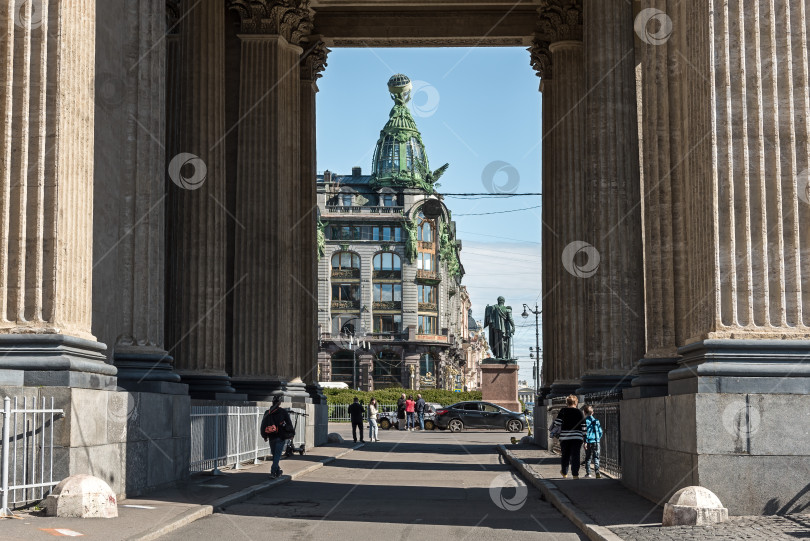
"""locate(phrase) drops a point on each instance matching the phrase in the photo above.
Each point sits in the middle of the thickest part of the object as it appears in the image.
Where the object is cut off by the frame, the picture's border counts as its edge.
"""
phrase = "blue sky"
(479, 110)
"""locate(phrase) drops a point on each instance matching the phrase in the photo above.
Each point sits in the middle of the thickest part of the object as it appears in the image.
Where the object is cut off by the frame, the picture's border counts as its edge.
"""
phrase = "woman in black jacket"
(570, 425)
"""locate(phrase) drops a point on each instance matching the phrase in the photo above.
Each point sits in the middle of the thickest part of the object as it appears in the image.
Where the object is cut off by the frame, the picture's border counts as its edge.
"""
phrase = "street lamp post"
(354, 346)
(536, 354)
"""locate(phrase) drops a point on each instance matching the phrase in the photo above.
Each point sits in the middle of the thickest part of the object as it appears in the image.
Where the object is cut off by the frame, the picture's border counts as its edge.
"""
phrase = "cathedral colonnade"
(158, 211)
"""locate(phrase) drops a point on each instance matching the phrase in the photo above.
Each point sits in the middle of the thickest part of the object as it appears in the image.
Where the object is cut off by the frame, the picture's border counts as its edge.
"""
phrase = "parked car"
(388, 419)
(479, 415)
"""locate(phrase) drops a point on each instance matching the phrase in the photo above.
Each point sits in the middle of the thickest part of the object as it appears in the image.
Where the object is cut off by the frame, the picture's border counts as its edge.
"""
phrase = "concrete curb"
(555, 496)
(202, 511)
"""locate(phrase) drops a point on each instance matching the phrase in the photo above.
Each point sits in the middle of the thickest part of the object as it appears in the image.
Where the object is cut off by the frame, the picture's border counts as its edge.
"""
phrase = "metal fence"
(229, 436)
(606, 409)
(27, 452)
(339, 413)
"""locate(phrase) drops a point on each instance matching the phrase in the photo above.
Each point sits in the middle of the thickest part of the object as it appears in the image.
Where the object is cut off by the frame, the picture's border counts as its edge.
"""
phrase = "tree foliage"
(391, 394)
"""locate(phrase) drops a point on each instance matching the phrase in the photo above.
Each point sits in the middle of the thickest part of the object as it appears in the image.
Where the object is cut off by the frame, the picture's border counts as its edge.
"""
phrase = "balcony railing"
(374, 337)
(387, 275)
(387, 305)
(336, 209)
(427, 275)
(428, 307)
(345, 305)
(345, 273)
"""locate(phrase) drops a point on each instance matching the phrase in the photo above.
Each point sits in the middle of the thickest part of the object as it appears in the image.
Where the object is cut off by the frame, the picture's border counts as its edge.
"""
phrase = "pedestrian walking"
(593, 437)
(569, 426)
(356, 415)
(372, 420)
(276, 428)
(420, 411)
(401, 412)
(410, 410)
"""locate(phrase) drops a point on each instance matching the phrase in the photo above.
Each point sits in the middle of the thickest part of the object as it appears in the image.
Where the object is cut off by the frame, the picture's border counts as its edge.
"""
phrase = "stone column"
(46, 196)
(744, 138)
(313, 62)
(130, 214)
(560, 26)
(615, 324)
(541, 62)
(270, 335)
(661, 152)
(197, 287)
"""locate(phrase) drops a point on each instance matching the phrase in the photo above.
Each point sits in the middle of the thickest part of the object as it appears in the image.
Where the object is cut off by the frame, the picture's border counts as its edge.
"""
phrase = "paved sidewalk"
(623, 513)
(140, 517)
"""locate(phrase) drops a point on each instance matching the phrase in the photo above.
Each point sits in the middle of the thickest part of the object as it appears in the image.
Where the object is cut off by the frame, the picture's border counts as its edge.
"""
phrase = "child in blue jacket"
(593, 435)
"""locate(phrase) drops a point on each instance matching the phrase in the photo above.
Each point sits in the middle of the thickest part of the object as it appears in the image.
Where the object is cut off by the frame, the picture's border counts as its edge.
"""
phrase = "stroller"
(291, 448)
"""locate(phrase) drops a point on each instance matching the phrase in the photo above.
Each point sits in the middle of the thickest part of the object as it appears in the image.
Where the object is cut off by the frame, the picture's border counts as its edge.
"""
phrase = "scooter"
(291, 448)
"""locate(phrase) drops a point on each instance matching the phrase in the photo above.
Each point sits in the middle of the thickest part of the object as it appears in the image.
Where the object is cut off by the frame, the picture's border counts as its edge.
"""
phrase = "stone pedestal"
(499, 383)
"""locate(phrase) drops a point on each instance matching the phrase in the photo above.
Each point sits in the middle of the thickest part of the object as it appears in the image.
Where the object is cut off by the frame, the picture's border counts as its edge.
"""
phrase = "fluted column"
(269, 321)
(46, 195)
(541, 62)
(560, 26)
(313, 62)
(661, 153)
(129, 221)
(615, 323)
(197, 287)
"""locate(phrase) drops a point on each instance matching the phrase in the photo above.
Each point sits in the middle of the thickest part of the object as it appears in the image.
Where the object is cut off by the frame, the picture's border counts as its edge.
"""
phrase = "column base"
(563, 388)
(209, 386)
(742, 366)
(652, 378)
(604, 382)
(55, 360)
(544, 393)
(147, 372)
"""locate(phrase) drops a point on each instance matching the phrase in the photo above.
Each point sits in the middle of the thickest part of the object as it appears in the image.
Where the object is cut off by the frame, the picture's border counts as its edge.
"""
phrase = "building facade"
(391, 307)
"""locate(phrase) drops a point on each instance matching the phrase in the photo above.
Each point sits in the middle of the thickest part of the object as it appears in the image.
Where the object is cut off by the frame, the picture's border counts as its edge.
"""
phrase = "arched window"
(345, 260)
(387, 261)
(425, 229)
(346, 199)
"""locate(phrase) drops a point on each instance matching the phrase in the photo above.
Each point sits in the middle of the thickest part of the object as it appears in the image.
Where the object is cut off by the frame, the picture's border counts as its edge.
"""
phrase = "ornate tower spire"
(400, 158)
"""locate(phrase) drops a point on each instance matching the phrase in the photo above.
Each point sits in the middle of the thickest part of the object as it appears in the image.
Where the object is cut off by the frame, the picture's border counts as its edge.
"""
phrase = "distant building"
(389, 275)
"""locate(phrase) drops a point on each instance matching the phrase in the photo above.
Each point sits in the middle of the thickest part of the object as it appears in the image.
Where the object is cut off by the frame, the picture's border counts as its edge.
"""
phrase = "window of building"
(426, 364)
(388, 323)
(424, 260)
(387, 292)
(425, 232)
(388, 200)
(345, 292)
(387, 369)
(345, 260)
(346, 199)
(397, 234)
(427, 325)
(426, 293)
(386, 261)
(345, 323)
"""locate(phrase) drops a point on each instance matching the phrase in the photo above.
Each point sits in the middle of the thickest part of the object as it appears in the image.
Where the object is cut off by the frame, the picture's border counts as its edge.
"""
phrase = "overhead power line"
(498, 212)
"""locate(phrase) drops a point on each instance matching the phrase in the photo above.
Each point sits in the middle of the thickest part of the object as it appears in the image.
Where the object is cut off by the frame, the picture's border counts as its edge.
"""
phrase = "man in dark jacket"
(356, 415)
(277, 428)
(401, 412)
(420, 411)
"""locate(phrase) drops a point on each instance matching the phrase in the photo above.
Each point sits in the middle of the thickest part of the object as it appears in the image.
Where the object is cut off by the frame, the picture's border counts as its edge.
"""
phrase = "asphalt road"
(411, 485)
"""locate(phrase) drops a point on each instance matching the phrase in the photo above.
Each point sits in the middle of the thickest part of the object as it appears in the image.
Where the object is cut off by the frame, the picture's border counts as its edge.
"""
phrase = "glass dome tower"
(400, 158)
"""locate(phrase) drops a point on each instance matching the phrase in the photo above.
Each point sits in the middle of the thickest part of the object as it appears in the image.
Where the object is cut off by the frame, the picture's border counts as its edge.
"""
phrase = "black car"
(479, 415)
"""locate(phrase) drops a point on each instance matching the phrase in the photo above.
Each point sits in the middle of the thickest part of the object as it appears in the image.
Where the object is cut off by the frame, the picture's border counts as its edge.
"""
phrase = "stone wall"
(136, 442)
(746, 448)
